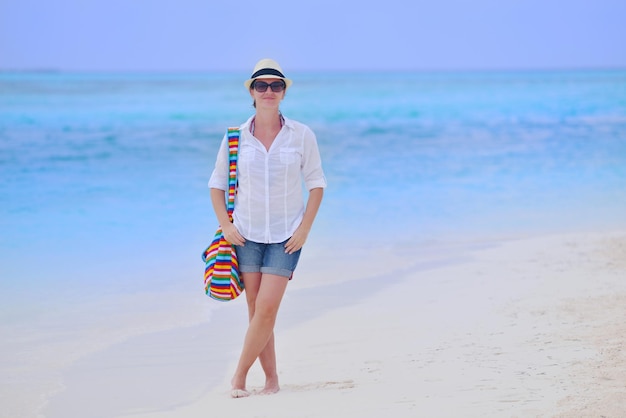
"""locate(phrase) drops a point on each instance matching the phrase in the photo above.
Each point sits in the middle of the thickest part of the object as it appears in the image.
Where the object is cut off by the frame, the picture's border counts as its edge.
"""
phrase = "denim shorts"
(266, 258)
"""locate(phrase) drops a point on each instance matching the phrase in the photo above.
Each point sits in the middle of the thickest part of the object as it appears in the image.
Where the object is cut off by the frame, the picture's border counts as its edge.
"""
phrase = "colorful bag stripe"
(221, 273)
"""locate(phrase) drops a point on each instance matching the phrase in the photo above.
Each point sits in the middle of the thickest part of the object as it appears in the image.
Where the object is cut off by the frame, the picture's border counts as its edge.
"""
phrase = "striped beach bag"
(221, 273)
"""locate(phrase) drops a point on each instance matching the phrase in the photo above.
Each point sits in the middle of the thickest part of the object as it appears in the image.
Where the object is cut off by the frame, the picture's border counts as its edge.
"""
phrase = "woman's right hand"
(232, 235)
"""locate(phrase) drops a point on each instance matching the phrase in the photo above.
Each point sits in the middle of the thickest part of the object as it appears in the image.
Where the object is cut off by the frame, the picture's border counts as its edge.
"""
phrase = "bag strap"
(233, 150)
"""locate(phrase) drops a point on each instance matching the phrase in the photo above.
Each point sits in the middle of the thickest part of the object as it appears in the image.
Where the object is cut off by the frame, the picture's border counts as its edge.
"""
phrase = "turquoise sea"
(104, 176)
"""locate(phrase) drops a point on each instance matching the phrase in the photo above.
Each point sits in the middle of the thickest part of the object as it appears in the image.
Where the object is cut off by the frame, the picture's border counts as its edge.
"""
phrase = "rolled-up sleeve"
(219, 177)
(312, 172)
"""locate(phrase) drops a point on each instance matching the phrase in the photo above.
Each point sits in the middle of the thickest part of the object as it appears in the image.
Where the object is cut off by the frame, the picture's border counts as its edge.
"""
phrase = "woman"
(270, 221)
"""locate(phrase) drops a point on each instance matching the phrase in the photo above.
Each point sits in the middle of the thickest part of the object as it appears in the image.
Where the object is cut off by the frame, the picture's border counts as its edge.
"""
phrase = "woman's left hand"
(302, 232)
(297, 240)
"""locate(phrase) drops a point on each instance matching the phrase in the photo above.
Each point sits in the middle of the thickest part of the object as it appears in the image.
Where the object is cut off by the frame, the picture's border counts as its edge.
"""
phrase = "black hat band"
(267, 71)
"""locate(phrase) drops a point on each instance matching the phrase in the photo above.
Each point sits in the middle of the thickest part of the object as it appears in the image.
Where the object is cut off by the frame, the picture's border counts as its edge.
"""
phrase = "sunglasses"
(276, 86)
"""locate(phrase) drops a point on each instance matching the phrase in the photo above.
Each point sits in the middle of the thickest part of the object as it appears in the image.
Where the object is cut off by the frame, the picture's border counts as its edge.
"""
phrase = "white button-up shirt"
(269, 204)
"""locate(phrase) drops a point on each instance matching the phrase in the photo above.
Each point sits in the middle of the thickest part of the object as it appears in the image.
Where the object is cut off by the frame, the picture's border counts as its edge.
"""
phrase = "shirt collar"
(246, 125)
(289, 123)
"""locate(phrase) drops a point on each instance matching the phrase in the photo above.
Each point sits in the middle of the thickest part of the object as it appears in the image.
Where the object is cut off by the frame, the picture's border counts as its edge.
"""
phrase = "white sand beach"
(516, 327)
(531, 327)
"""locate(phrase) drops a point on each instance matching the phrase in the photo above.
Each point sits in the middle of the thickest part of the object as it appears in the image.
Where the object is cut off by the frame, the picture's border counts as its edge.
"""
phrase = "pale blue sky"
(312, 35)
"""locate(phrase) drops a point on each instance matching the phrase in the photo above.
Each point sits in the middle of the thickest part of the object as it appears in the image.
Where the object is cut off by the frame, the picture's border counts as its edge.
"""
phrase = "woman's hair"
(252, 88)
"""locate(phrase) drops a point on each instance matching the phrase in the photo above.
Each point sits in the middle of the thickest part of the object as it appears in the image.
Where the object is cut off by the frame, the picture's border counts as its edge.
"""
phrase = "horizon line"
(319, 70)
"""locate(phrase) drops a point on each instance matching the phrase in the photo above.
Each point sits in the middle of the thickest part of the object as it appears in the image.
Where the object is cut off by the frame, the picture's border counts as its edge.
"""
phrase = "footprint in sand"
(344, 384)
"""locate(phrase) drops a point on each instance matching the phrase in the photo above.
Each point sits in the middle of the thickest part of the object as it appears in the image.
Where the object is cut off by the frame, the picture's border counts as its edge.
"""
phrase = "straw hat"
(267, 68)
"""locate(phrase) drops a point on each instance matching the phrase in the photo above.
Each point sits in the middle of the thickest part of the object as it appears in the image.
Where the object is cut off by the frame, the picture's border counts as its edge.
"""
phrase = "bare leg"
(268, 355)
(263, 294)
(268, 362)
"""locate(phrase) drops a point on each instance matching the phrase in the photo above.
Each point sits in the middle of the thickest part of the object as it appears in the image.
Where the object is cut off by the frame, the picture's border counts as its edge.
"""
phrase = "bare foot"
(271, 387)
(239, 393)
(239, 389)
